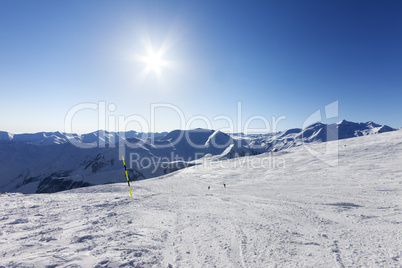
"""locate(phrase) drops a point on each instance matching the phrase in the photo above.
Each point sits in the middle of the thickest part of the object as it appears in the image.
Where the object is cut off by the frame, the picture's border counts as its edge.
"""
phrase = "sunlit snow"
(295, 212)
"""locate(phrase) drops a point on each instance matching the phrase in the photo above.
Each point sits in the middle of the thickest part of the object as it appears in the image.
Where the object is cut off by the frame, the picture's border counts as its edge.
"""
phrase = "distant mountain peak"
(342, 122)
(315, 125)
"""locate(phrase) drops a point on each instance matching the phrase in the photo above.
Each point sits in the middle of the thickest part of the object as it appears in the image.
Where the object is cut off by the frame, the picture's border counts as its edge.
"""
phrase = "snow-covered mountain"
(320, 132)
(50, 138)
(51, 161)
(292, 210)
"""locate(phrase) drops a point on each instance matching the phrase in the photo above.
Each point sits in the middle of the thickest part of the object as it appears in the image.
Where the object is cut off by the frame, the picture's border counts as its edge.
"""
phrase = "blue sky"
(278, 58)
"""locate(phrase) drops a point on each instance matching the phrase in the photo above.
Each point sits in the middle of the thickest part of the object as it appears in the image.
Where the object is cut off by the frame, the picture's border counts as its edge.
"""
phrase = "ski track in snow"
(307, 214)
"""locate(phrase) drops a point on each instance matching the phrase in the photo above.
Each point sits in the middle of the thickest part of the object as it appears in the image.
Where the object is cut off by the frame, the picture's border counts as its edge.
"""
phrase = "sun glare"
(154, 61)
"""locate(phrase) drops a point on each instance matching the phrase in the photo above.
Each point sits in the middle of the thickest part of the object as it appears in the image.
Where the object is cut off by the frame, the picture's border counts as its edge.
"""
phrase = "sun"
(154, 61)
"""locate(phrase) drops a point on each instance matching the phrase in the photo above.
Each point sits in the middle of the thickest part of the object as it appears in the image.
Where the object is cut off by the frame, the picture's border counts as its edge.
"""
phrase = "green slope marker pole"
(128, 181)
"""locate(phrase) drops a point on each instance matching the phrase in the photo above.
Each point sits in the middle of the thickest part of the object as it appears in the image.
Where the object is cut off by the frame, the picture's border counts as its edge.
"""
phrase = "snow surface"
(291, 211)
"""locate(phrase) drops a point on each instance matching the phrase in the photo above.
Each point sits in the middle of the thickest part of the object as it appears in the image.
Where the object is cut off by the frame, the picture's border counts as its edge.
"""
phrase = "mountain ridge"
(48, 162)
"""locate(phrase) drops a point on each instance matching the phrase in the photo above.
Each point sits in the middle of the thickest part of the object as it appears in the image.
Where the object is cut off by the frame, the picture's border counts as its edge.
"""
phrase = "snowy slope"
(286, 209)
(47, 162)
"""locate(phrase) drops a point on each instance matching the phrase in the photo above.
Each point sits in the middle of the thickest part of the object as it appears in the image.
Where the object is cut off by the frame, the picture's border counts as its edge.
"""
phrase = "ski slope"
(291, 211)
